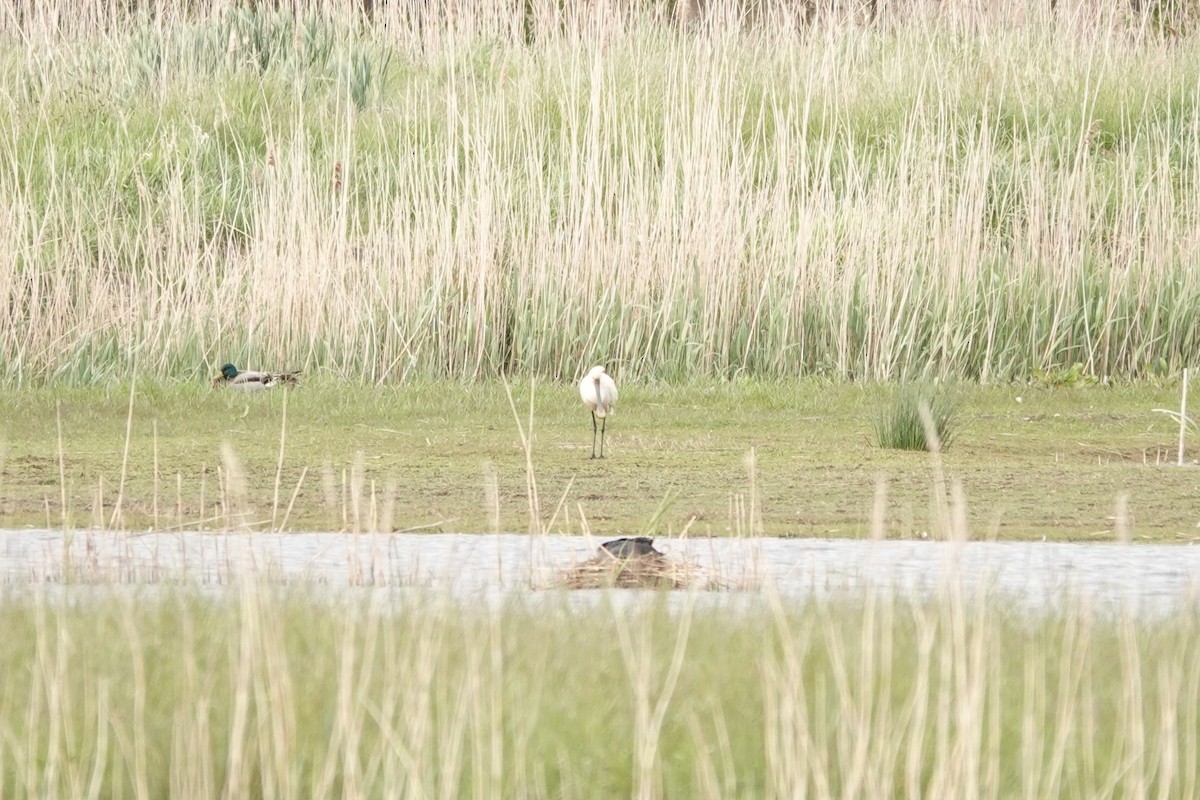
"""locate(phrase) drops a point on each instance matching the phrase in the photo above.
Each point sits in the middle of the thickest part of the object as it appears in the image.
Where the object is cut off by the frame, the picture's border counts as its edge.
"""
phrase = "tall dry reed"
(483, 187)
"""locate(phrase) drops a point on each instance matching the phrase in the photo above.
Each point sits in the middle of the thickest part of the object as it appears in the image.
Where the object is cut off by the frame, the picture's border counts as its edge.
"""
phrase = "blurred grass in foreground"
(260, 691)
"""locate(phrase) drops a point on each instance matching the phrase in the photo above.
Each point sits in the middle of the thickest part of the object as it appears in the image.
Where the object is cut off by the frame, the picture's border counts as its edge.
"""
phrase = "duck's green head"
(229, 372)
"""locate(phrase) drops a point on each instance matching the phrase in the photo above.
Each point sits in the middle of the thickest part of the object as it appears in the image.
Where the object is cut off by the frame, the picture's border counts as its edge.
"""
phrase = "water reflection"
(1146, 577)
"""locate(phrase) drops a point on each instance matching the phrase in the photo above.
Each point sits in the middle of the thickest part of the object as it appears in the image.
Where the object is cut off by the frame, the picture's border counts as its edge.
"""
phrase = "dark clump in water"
(638, 547)
(632, 563)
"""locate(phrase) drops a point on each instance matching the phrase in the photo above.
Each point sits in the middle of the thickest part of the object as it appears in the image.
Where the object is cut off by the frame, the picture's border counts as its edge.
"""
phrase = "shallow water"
(1041, 574)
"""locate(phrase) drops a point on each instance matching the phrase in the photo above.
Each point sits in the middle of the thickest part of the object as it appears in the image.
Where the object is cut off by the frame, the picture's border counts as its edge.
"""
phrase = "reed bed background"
(483, 187)
(273, 693)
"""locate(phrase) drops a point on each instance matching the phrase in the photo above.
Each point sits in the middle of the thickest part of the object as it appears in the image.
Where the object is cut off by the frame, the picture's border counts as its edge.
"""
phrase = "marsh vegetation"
(750, 219)
(288, 694)
(461, 190)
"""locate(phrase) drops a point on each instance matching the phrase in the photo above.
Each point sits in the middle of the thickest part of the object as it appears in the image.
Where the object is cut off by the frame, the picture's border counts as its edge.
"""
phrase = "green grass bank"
(529, 188)
(777, 458)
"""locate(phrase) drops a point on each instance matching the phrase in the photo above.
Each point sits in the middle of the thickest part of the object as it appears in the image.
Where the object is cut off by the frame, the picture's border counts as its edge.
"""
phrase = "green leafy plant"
(1062, 377)
(364, 77)
(899, 426)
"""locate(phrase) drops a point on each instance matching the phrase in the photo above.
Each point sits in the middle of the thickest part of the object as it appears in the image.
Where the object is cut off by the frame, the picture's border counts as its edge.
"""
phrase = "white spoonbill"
(599, 394)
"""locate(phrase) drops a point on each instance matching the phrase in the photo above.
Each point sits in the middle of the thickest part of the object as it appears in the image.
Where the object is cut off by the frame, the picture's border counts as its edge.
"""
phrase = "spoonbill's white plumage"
(599, 394)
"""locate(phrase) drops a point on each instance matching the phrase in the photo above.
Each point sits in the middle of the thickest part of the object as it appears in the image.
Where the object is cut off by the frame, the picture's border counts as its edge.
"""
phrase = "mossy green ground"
(1050, 465)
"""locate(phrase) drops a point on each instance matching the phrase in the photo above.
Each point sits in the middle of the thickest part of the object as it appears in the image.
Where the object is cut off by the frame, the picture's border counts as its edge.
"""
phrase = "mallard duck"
(250, 381)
